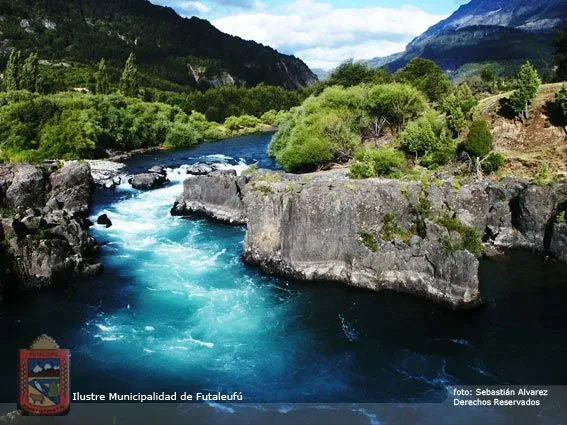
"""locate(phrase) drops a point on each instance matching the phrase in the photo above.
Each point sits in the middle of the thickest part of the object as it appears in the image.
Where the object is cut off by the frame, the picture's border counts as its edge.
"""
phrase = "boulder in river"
(104, 220)
(200, 169)
(148, 181)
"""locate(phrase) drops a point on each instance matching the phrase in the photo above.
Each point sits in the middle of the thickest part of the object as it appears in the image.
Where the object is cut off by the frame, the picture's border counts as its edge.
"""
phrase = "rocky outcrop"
(417, 237)
(558, 243)
(44, 236)
(218, 195)
(153, 179)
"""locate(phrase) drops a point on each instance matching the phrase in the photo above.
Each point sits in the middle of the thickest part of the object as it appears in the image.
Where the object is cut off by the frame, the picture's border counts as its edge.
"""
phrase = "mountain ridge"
(185, 51)
(484, 30)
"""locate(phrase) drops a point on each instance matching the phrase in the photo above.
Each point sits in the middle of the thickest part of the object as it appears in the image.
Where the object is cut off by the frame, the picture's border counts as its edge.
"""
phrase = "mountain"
(181, 51)
(506, 31)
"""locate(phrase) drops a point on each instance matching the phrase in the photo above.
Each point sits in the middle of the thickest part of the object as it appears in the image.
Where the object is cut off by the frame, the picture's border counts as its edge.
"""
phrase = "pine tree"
(528, 83)
(129, 84)
(12, 72)
(30, 74)
(102, 79)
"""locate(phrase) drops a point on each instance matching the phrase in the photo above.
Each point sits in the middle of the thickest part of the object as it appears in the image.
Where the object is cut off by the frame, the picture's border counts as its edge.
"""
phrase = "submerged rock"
(376, 234)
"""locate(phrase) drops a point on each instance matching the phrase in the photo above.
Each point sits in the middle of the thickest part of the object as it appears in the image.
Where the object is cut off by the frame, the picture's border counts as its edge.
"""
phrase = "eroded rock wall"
(379, 234)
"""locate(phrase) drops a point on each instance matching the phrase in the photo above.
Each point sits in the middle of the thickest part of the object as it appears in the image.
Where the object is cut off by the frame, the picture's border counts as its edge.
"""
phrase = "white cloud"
(193, 7)
(324, 35)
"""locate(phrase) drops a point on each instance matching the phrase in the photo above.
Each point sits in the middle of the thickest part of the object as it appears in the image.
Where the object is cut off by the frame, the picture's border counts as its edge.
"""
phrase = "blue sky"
(322, 32)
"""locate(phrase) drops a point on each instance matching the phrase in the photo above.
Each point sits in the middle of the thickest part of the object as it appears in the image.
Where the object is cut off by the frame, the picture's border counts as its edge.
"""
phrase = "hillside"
(504, 31)
(184, 52)
(526, 147)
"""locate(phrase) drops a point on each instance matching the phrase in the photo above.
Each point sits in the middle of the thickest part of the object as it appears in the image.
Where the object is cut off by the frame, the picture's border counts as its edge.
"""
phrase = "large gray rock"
(72, 187)
(148, 181)
(335, 231)
(44, 236)
(322, 228)
(27, 188)
(558, 243)
(218, 195)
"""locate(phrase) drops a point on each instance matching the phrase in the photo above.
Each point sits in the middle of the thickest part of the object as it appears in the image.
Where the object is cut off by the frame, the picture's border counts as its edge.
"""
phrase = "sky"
(323, 33)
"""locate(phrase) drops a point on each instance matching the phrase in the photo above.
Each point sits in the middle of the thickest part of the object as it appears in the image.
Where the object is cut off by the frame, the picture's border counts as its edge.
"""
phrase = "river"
(177, 310)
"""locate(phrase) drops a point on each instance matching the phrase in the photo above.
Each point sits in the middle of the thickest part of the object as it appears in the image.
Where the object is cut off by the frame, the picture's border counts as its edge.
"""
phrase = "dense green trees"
(426, 76)
(220, 103)
(351, 73)
(527, 86)
(75, 125)
(331, 126)
(129, 82)
(428, 140)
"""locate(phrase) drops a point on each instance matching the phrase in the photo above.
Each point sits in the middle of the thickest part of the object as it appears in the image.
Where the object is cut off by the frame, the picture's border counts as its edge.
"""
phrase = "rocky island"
(422, 238)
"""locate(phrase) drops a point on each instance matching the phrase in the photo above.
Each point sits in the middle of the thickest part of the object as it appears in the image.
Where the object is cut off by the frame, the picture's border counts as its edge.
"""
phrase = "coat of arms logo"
(44, 379)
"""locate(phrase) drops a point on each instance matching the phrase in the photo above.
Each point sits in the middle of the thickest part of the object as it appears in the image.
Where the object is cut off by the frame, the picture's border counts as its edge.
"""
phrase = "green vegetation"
(479, 140)
(34, 127)
(102, 78)
(129, 82)
(428, 138)
(560, 217)
(368, 239)
(458, 106)
(350, 73)
(173, 53)
(543, 176)
(528, 83)
(427, 77)
(470, 237)
(561, 102)
(391, 229)
(386, 162)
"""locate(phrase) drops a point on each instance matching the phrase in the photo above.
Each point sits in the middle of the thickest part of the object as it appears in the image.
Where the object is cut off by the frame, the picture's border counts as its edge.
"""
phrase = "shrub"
(386, 162)
(181, 135)
(479, 140)
(395, 105)
(493, 162)
(427, 137)
(471, 238)
(368, 240)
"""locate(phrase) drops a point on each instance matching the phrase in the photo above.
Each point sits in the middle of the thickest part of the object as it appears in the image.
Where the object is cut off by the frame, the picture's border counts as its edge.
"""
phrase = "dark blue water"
(177, 310)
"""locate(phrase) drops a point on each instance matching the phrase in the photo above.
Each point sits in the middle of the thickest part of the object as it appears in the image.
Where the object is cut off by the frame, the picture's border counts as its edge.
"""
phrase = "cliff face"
(379, 234)
(43, 233)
